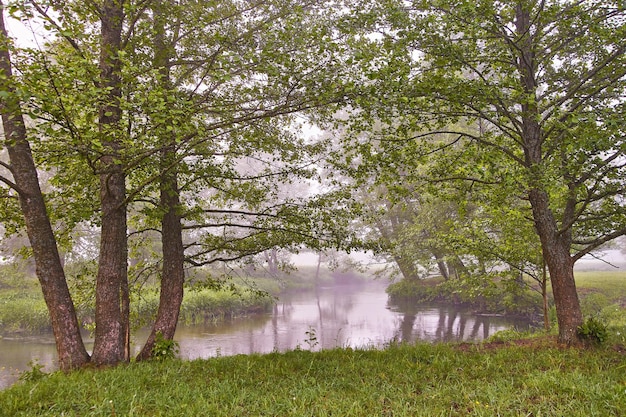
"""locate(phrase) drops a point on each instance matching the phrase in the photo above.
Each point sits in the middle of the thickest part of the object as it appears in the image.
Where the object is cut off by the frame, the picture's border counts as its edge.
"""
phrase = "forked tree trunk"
(69, 344)
(112, 279)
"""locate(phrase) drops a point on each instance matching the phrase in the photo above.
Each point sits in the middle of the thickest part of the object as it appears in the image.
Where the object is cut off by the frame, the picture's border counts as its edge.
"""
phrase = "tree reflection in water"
(340, 316)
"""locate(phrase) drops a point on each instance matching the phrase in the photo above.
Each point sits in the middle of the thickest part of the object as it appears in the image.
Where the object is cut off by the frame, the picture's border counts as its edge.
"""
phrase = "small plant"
(35, 372)
(164, 348)
(507, 335)
(593, 331)
(311, 339)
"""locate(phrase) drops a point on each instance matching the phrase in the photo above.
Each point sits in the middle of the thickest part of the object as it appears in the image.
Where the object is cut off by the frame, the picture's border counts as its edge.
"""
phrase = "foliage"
(517, 108)
(24, 315)
(403, 380)
(164, 349)
(593, 331)
(34, 374)
(483, 293)
(416, 290)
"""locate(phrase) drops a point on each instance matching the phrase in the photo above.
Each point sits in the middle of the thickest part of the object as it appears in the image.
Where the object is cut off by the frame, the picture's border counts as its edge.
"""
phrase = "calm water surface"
(348, 315)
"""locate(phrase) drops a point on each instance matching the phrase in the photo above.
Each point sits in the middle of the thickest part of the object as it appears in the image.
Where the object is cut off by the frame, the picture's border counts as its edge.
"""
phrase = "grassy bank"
(23, 311)
(602, 294)
(538, 379)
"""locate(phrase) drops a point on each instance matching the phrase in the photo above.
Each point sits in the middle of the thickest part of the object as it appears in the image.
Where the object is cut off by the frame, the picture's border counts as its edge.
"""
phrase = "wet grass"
(528, 379)
(23, 310)
(611, 284)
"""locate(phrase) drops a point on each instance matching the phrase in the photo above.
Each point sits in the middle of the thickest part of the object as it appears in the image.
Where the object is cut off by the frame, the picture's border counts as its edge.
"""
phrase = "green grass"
(537, 379)
(610, 283)
(23, 310)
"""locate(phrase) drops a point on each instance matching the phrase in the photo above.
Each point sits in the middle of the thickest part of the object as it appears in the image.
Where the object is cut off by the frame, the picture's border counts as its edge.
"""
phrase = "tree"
(542, 83)
(112, 335)
(191, 134)
(25, 183)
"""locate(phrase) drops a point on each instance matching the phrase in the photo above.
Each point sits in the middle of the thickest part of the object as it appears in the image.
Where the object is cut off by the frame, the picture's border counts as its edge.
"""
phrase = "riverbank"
(23, 311)
(536, 377)
(602, 295)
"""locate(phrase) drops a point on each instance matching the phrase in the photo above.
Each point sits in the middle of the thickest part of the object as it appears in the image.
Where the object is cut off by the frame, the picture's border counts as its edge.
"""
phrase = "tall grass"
(420, 380)
(603, 296)
(24, 311)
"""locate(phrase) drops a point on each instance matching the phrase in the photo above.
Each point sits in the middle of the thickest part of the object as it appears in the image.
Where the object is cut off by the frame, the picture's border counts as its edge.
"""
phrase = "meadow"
(511, 374)
(531, 378)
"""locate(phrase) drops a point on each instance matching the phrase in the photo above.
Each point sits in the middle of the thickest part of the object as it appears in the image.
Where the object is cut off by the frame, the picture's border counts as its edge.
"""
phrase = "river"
(358, 316)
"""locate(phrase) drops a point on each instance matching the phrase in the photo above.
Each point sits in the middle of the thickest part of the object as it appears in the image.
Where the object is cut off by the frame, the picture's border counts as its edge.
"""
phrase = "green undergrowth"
(483, 295)
(506, 379)
(602, 296)
(603, 299)
(23, 311)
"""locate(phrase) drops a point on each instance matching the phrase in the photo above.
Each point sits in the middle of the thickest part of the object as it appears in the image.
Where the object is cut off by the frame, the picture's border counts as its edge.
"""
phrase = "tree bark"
(439, 257)
(70, 348)
(556, 244)
(173, 273)
(112, 279)
(556, 252)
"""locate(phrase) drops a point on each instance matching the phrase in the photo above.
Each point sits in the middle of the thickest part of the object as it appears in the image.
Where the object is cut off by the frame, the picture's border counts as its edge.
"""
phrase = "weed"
(164, 348)
(593, 331)
(34, 374)
(311, 338)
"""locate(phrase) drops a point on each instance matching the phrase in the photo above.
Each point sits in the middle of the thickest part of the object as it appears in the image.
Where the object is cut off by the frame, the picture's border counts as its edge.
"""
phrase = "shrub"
(164, 349)
(593, 331)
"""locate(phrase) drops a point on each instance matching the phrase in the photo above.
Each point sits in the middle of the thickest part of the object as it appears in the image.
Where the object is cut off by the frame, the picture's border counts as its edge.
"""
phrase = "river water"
(358, 316)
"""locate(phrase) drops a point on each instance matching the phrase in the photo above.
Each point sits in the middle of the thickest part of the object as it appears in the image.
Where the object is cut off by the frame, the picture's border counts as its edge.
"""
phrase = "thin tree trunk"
(173, 277)
(112, 279)
(173, 273)
(70, 348)
(439, 257)
(544, 295)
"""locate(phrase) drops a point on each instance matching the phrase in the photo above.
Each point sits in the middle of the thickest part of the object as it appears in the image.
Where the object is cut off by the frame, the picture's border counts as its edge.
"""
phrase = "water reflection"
(340, 316)
(444, 324)
(17, 353)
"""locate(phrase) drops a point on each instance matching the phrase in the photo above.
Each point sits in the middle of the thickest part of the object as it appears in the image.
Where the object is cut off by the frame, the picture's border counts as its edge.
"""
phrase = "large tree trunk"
(173, 274)
(70, 348)
(112, 280)
(555, 244)
(556, 252)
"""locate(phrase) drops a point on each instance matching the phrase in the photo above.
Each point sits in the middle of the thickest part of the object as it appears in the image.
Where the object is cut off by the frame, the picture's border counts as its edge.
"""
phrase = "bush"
(164, 349)
(593, 331)
(419, 291)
